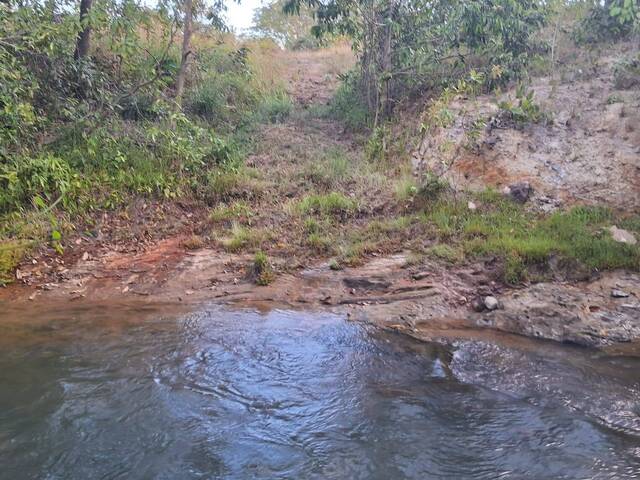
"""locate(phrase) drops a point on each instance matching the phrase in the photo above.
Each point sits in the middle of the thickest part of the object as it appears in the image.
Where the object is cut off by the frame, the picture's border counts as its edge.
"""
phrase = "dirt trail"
(431, 300)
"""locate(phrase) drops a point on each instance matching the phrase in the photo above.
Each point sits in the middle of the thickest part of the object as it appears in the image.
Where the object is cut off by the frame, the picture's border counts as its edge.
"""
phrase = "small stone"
(85, 256)
(421, 275)
(491, 303)
(478, 304)
(472, 206)
(622, 236)
(615, 293)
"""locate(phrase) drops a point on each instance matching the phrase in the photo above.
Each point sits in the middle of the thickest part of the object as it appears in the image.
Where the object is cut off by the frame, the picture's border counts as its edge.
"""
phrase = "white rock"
(622, 236)
(491, 303)
(615, 293)
(472, 206)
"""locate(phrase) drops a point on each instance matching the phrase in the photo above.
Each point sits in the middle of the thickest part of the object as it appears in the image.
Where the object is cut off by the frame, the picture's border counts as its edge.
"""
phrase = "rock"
(364, 283)
(85, 256)
(519, 192)
(622, 236)
(491, 303)
(477, 304)
(472, 206)
(615, 293)
(421, 275)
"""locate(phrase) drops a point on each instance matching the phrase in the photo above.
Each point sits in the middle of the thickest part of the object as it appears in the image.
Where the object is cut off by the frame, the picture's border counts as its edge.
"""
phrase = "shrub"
(25, 178)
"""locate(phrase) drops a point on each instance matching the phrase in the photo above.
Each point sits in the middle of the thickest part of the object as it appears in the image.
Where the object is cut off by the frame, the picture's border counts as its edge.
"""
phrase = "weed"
(320, 243)
(406, 188)
(242, 237)
(239, 211)
(274, 108)
(414, 259)
(194, 242)
(332, 204)
(11, 252)
(376, 147)
(445, 252)
(332, 169)
(335, 265)
(420, 195)
(230, 183)
(525, 111)
(262, 271)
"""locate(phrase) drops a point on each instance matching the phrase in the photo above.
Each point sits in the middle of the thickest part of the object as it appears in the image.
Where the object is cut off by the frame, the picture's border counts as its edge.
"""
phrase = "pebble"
(615, 293)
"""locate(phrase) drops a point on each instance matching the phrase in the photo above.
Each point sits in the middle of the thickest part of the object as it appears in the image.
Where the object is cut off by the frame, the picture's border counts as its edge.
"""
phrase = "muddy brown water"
(156, 392)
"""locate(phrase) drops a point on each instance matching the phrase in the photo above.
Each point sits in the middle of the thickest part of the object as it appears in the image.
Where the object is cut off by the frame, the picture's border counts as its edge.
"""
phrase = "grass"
(524, 239)
(243, 237)
(11, 252)
(224, 184)
(262, 270)
(446, 253)
(320, 243)
(239, 211)
(331, 169)
(332, 204)
(194, 242)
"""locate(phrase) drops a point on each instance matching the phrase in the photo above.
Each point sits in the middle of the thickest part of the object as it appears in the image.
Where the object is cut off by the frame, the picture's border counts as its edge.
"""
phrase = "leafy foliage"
(408, 47)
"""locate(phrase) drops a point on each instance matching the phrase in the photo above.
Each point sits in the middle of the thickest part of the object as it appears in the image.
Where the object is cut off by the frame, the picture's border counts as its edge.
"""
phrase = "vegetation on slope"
(86, 134)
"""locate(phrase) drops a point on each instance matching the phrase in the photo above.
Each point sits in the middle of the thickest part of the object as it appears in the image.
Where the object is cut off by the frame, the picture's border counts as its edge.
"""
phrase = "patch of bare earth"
(589, 153)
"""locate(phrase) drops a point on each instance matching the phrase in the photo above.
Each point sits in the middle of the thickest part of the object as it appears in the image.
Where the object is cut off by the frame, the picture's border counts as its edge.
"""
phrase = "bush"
(25, 178)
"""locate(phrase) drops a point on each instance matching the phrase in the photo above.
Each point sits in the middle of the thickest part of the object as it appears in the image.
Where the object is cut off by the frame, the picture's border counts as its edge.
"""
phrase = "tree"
(191, 10)
(290, 31)
(406, 46)
(187, 31)
(83, 43)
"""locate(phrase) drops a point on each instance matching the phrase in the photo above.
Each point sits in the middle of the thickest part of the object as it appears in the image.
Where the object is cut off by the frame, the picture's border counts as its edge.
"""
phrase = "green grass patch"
(446, 253)
(331, 204)
(524, 239)
(262, 270)
(243, 238)
(332, 168)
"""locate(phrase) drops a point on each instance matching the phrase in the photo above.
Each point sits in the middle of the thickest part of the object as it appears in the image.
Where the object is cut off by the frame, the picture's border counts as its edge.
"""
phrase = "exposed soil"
(589, 153)
(141, 253)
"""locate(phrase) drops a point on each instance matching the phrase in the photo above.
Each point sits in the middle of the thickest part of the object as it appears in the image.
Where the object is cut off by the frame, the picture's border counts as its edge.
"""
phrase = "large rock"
(585, 314)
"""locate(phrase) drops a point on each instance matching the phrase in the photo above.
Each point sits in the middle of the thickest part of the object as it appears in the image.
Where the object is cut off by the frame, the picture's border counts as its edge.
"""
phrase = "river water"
(127, 392)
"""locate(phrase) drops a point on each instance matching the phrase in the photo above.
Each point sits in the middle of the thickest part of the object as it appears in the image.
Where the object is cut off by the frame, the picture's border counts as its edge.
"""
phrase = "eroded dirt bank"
(432, 301)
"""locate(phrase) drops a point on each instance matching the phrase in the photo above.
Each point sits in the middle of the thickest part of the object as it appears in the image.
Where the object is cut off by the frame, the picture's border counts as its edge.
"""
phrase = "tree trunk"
(186, 49)
(84, 37)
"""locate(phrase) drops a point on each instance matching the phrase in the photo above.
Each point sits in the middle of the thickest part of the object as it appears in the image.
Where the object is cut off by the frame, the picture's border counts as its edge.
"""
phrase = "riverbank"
(337, 226)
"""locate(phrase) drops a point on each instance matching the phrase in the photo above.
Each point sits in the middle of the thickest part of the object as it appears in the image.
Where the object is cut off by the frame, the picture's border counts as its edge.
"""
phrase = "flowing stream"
(131, 392)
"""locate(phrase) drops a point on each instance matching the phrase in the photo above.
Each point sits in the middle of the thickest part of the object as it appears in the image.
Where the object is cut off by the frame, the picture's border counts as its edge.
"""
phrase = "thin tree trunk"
(186, 49)
(84, 37)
